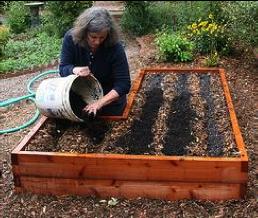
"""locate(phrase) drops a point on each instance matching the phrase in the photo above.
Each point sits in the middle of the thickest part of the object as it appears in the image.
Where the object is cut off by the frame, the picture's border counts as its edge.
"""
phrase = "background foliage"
(241, 19)
(137, 18)
(216, 27)
(60, 15)
(18, 17)
(4, 37)
(182, 29)
(24, 54)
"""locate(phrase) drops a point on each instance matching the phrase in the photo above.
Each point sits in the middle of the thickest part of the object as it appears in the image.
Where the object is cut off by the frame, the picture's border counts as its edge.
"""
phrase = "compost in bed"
(173, 114)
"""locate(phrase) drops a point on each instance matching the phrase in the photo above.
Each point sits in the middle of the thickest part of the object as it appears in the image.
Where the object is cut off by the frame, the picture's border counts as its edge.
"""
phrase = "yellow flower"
(210, 16)
(203, 24)
(194, 25)
(209, 27)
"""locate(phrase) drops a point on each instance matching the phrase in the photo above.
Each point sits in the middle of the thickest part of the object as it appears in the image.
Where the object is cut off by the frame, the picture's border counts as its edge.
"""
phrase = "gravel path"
(14, 87)
(17, 86)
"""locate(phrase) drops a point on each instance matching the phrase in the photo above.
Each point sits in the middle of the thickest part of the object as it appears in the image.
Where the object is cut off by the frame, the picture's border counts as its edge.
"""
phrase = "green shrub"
(4, 37)
(2, 5)
(174, 47)
(185, 12)
(241, 18)
(18, 17)
(20, 55)
(137, 18)
(59, 16)
(163, 14)
(143, 17)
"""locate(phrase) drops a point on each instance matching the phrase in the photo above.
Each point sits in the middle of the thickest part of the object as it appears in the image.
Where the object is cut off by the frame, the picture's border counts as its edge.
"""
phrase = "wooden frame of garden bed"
(131, 176)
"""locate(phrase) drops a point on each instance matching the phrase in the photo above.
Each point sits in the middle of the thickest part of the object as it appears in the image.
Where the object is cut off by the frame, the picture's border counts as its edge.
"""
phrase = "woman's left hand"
(93, 108)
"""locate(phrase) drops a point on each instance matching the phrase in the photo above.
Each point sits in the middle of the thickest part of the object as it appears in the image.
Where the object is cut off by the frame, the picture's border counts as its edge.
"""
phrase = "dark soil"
(215, 140)
(179, 121)
(137, 134)
(77, 105)
(133, 141)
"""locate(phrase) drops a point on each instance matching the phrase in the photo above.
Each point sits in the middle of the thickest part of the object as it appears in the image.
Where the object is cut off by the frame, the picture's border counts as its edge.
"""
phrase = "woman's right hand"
(81, 71)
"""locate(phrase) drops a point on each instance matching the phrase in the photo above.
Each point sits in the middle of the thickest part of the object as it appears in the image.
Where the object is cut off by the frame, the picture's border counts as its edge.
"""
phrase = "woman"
(92, 47)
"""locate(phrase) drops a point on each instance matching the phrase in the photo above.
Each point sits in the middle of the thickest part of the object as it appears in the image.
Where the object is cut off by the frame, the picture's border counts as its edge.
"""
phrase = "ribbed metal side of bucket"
(53, 95)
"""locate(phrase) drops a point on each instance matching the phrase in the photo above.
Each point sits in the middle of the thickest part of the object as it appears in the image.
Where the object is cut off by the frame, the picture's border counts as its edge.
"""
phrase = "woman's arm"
(107, 99)
(121, 81)
(120, 70)
(67, 56)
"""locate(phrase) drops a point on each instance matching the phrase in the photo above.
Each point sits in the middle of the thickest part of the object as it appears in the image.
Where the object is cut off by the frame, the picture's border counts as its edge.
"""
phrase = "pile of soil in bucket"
(173, 114)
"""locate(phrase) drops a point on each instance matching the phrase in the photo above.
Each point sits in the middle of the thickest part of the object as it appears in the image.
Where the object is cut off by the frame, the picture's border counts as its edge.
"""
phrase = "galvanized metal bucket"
(65, 97)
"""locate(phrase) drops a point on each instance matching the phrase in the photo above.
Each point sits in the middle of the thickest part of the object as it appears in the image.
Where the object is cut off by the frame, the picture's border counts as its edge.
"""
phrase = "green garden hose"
(30, 96)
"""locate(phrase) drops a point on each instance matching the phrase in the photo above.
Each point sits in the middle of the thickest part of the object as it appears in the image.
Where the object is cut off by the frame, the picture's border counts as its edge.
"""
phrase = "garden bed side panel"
(131, 189)
(129, 167)
(124, 176)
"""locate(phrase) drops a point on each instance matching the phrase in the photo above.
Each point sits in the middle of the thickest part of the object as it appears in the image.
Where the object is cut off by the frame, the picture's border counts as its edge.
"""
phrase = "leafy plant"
(174, 47)
(212, 60)
(4, 37)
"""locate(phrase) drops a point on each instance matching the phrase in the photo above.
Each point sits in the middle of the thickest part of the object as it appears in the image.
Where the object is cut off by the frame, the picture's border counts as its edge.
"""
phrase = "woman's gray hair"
(94, 19)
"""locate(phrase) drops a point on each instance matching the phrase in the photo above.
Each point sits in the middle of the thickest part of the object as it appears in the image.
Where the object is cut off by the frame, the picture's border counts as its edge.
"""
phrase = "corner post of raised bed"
(16, 177)
(131, 97)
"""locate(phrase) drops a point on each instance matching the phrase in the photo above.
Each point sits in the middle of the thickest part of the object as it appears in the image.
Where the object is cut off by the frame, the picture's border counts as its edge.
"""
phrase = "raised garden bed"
(177, 139)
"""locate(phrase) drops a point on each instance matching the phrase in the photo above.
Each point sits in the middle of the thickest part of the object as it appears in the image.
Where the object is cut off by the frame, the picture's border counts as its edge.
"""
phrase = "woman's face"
(95, 39)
